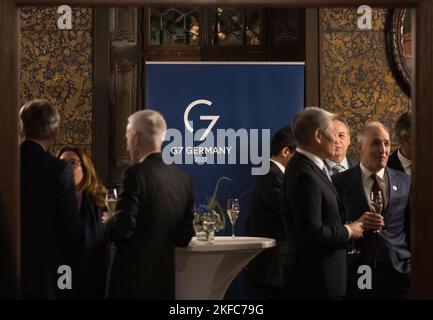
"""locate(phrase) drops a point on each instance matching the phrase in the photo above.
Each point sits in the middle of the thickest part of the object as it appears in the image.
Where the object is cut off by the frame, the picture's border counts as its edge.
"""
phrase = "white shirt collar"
(331, 164)
(146, 155)
(405, 162)
(367, 182)
(366, 174)
(279, 165)
(316, 160)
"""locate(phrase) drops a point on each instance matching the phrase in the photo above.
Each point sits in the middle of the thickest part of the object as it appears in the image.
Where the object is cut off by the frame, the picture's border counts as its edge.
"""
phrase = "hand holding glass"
(111, 201)
(353, 249)
(376, 203)
(233, 213)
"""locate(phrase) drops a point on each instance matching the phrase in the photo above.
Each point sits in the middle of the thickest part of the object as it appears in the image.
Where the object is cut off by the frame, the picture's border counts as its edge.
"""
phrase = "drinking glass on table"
(233, 213)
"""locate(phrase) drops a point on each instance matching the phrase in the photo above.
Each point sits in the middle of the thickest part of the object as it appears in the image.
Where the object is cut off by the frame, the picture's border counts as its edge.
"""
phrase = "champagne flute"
(233, 213)
(111, 201)
(376, 203)
(353, 249)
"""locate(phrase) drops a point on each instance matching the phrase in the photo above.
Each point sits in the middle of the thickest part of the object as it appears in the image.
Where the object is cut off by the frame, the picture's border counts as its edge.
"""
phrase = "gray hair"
(151, 124)
(367, 127)
(38, 119)
(307, 121)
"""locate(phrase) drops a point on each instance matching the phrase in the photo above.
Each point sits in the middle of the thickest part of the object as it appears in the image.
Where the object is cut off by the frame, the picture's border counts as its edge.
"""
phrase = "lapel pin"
(394, 188)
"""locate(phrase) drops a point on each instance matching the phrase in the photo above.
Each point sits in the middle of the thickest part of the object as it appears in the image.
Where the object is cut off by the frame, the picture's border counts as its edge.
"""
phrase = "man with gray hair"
(339, 162)
(50, 223)
(313, 216)
(385, 247)
(154, 215)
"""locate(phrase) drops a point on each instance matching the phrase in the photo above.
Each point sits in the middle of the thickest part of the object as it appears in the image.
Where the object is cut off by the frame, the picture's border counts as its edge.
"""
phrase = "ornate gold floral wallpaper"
(57, 65)
(356, 80)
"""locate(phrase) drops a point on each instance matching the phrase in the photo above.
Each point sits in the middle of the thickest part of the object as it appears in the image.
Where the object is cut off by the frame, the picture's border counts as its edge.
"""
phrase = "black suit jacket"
(394, 162)
(264, 220)
(153, 216)
(51, 227)
(313, 220)
(394, 237)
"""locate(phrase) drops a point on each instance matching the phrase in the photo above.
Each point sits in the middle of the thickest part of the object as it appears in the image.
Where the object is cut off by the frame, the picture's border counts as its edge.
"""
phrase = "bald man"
(386, 252)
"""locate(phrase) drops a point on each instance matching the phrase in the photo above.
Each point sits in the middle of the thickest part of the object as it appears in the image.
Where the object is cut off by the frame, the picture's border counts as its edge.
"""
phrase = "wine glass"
(199, 217)
(353, 249)
(111, 201)
(376, 203)
(233, 213)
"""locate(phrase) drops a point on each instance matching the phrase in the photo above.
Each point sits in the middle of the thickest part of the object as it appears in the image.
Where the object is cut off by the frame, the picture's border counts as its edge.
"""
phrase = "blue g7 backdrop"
(221, 118)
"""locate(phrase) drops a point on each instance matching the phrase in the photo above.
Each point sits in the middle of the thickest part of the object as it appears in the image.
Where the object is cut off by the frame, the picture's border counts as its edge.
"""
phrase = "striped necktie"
(336, 169)
(325, 171)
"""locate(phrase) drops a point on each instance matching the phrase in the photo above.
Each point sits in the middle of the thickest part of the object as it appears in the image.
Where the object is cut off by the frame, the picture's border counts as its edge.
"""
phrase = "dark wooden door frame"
(422, 193)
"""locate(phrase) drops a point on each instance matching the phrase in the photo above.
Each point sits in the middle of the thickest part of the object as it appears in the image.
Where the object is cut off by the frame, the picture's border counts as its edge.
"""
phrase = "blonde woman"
(90, 264)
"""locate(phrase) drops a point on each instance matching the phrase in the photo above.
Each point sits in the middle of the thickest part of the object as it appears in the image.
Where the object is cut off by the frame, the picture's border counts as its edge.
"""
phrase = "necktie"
(336, 169)
(379, 255)
(375, 187)
(325, 171)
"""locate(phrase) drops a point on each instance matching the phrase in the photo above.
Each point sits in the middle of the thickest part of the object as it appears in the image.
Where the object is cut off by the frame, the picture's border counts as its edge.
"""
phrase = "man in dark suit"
(312, 212)
(339, 161)
(400, 159)
(386, 252)
(267, 271)
(153, 216)
(50, 224)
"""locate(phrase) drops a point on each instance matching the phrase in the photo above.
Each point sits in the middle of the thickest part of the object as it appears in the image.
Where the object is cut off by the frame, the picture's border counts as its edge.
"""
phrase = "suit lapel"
(393, 185)
(319, 172)
(323, 176)
(359, 186)
(274, 168)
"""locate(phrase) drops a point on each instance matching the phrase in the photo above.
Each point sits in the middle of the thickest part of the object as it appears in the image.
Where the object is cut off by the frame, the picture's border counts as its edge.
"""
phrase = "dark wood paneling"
(125, 21)
(126, 103)
(125, 78)
(286, 34)
(422, 172)
(10, 231)
(101, 92)
(312, 71)
(268, 3)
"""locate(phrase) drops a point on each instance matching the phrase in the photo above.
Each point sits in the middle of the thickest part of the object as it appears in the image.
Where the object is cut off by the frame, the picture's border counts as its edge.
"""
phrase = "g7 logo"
(213, 119)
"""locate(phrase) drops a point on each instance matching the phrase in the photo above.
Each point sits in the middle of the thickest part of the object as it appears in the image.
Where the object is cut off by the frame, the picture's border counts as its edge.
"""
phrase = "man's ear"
(318, 136)
(55, 133)
(285, 152)
(136, 137)
(359, 148)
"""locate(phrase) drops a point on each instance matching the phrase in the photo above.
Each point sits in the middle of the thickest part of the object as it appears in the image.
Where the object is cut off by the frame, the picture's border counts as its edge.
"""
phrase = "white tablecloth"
(205, 271)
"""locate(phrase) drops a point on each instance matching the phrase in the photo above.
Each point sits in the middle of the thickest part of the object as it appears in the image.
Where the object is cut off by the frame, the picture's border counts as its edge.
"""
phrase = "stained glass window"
(174, 26)
(235, 27)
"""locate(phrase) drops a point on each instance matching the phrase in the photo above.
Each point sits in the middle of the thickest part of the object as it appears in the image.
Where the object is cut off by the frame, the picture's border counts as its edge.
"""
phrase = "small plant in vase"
(215, 209)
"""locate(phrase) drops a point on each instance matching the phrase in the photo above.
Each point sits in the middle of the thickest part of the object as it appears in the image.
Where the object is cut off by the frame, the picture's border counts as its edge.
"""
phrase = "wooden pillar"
(422, 174)
(312, 52)
(9, 154)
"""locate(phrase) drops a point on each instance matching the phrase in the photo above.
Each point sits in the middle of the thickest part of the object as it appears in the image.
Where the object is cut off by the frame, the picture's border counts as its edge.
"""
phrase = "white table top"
(222, 244)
